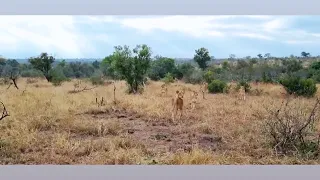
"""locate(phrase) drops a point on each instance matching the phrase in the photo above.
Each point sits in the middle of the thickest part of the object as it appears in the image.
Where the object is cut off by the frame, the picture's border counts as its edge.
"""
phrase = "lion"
(203, 89)
(177, 103)
(164, 89)
(194, 99)
(242, 93)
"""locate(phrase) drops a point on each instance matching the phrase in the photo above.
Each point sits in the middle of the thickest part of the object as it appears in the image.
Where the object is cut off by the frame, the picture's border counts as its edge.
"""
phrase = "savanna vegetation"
(113, 112)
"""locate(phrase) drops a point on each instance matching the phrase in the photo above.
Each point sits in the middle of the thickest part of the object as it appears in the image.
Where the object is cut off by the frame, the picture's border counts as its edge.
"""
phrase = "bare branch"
(4, 112)
(81, 90)
(310, 119)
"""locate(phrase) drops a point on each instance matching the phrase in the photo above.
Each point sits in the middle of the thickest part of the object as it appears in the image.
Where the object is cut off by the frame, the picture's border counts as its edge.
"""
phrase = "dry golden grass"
(48, 125)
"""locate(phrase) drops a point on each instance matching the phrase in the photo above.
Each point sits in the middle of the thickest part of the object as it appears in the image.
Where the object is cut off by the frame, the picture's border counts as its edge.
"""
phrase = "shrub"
(266, 77)
(160, 67)
(291, 130)
(57, 76)
(208, 76)
(168, 78)
(31, 73)
(299, 86)
(245, 84)
(195, 78)
(227, 89)
(97, 78)
(217, 86)
(184, 70)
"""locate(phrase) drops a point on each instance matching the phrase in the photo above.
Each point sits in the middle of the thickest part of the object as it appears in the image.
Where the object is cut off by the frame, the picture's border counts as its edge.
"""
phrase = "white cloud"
(56, 34)
(197, 26)
(62, 35)
(264, 27)
(254, 35)
(275, 25)
(298, 42)
(271, 28)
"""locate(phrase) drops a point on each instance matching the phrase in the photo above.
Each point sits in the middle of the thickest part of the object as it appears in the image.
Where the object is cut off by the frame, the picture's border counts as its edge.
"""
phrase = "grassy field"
(49, 125)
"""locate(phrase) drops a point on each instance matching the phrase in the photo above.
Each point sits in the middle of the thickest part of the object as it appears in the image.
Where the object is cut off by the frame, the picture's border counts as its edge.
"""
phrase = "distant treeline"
(203, 66)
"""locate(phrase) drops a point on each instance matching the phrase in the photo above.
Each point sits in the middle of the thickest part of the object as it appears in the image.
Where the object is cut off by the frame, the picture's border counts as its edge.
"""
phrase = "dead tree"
(13, 77)
(4, 112)
(14, 80)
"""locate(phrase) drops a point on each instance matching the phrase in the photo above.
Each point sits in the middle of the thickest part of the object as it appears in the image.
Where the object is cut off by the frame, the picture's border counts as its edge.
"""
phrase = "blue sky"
(171, 36)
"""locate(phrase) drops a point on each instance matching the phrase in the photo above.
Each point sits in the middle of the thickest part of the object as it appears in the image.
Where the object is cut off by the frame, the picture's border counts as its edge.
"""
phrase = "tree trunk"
(48, 78)
(15, 83)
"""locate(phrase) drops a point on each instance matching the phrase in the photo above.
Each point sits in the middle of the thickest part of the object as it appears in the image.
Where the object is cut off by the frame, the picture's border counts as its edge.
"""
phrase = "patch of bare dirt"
(159, 134)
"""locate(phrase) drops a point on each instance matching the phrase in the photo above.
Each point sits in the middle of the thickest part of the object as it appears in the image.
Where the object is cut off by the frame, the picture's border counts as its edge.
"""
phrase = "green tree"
(208, 76)
(225, 65)
(43, 63)
(63, 63)
(96, 64)
(232, 57)
(299, 86)
(201, 57)
(160, 67)
(185, 70)
(57, 75)
(217, 86)
(132, 69)
(108, 68)
(292, 65)
(2, 60)
(305, 54)
(267, 55)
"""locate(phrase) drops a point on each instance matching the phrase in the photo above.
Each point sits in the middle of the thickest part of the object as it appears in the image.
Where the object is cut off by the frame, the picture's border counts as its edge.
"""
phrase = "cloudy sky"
(171, 36)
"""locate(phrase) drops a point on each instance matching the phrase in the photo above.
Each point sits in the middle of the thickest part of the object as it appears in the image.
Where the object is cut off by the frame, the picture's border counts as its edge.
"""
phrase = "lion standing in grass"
(203, 89)
(194, 99)
(242, 93)
(164, 89)
(177, 103)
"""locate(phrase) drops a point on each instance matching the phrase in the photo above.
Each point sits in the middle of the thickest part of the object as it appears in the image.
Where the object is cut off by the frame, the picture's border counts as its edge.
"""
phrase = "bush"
(168, 78)
(245, 84)
(266, 77)
(299, 86)
(208, 76)
(195, 78)
(184, 70)
(217, 86)
(31, 73)
(291, 130)
(160, 67)
(58, 76)
(227, 89)
(96, 80)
